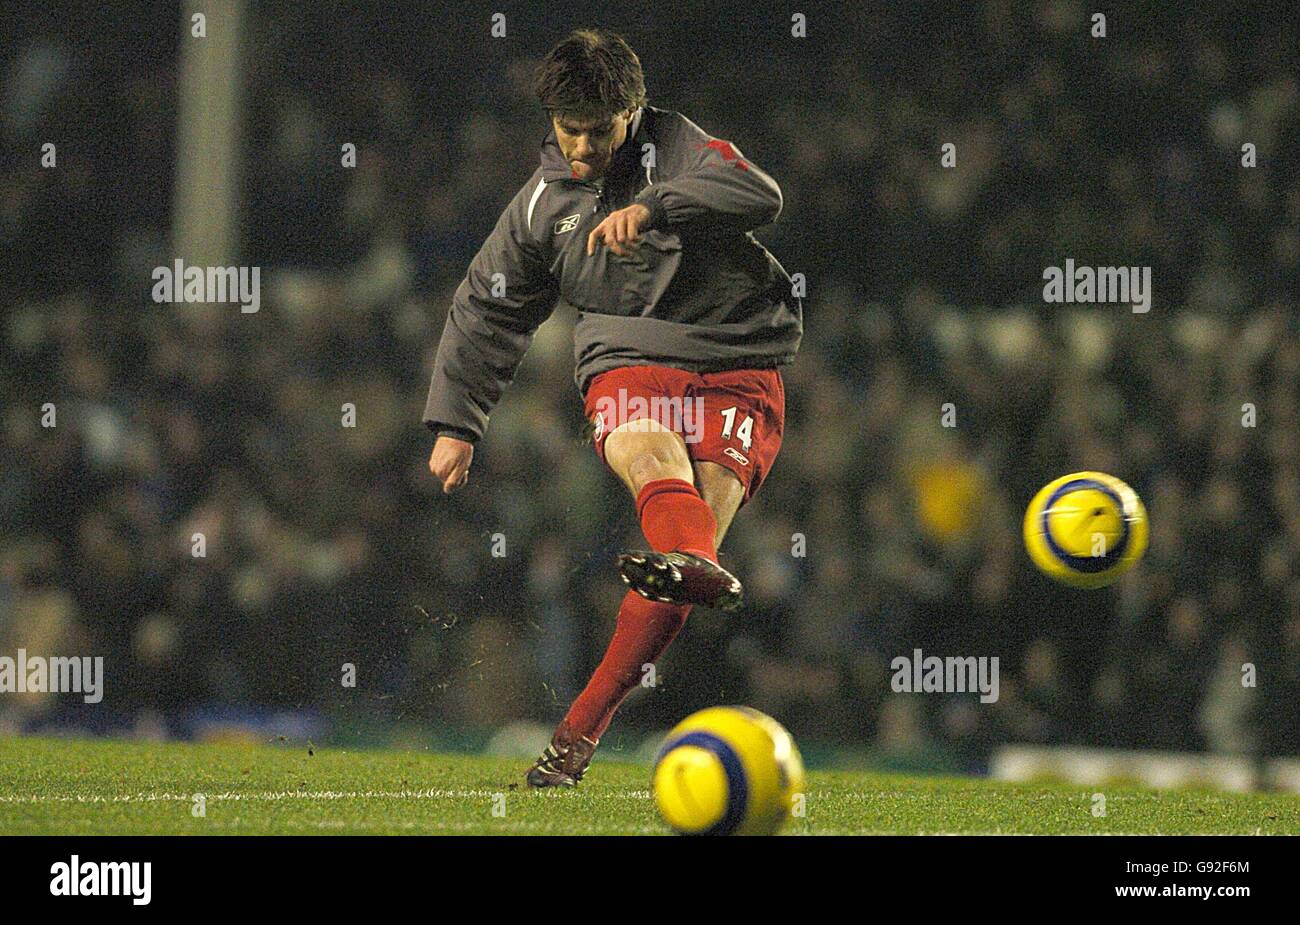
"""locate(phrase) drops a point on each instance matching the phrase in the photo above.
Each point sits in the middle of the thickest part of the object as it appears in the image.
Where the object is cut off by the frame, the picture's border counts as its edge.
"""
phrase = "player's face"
(589, 144)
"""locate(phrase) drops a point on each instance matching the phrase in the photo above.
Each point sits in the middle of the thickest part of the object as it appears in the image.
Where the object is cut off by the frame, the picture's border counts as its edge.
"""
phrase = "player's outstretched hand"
(450, 461)
(620, 231)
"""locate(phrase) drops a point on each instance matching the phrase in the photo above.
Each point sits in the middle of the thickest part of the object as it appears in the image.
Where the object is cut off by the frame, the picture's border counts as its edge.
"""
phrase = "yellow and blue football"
(728, 771)
(1086, 529)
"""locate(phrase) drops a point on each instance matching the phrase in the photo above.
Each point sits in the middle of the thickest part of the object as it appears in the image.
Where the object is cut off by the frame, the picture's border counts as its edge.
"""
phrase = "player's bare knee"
(643, 456)
(723, 491)
(653, 463)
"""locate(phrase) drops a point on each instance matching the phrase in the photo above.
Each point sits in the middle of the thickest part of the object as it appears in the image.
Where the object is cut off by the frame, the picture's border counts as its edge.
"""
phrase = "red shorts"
(733, 418)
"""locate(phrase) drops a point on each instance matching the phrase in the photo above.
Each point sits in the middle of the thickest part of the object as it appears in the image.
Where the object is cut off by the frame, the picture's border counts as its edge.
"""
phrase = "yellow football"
(728, 771)
(1086, 529)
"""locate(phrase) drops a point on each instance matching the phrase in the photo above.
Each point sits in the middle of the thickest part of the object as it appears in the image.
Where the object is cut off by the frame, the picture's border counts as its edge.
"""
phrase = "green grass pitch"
(129, 788)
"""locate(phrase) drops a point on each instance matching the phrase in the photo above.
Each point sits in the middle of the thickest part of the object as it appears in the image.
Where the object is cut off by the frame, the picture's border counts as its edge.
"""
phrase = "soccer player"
(643, 222)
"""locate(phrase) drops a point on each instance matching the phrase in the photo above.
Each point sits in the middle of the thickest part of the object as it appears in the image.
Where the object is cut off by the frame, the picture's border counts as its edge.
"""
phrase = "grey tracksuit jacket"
(699, 293)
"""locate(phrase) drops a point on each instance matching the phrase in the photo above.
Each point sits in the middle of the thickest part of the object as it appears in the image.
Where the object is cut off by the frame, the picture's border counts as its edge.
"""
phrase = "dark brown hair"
(591, 72)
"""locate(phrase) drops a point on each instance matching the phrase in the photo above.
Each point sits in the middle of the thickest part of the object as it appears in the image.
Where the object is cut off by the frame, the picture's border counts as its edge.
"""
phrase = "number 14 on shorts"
(744, 433)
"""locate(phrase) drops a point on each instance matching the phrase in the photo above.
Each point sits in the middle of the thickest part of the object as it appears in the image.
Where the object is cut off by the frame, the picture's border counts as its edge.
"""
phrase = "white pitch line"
(280, 795)
(498, 826)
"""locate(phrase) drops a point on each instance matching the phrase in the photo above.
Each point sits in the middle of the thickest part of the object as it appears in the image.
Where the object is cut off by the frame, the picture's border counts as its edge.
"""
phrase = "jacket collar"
(555, 167)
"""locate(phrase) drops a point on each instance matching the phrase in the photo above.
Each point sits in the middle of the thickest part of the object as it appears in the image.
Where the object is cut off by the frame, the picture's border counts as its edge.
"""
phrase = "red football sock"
(643, 632)
(674, 518)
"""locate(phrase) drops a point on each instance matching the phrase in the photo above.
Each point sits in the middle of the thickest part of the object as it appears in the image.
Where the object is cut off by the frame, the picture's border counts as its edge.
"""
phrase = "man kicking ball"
(642, 221)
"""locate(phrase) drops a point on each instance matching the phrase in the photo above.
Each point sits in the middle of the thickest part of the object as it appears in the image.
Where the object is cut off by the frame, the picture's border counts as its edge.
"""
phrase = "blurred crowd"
(203, 516)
